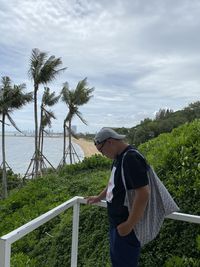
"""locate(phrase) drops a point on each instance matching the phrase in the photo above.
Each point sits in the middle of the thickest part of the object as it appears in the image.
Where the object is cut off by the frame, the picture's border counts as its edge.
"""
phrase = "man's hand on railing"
(92, 199)
(96, 199)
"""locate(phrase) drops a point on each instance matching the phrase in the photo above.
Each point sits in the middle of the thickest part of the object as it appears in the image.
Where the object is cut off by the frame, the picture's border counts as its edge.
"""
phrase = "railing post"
(75, 227)
(5, 252)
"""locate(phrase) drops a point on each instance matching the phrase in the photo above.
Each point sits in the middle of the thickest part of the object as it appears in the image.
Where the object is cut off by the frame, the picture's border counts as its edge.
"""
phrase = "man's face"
(106, 148)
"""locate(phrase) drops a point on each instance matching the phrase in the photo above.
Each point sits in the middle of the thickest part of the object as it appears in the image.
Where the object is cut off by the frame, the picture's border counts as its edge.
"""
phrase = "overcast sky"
(139, 55)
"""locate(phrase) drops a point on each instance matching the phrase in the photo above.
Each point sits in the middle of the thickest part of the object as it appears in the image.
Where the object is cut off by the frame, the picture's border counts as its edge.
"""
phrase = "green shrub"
(13, 180)
(92, 163)
(176, 158)
(22, 260)
(176, 261)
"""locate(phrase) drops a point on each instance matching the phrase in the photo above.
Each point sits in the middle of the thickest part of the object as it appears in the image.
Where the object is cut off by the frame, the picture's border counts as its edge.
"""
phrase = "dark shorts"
(124, 251)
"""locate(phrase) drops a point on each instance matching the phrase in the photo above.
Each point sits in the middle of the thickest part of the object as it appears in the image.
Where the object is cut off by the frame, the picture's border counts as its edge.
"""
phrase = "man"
(124, 245)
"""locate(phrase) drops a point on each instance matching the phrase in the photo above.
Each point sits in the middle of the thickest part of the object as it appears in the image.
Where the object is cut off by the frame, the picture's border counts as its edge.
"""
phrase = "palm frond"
(4, 123)
(83, 93)
(36, 62)
(18, 97)
(49, 113)
(13, 123)
(6, 82)
(65, 93)
(78, 113)
(50, 69)
(47, 133)
(47, 116)
(48, 98)
(12, 98)
(72, 132)
(69, 116)
(46, 121)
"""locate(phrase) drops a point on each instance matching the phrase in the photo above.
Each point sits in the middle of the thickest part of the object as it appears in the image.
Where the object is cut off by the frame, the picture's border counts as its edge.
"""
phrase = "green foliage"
(182, 262)
(12, 97)
(50, 244)
(176, 157)
(176, 261)
(198, 242)
(92, 163)
(20, 259)
(14, 181)
(76, 98)
(165, 121)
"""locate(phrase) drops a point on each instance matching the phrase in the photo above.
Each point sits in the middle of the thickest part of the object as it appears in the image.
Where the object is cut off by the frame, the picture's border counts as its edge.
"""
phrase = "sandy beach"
(88, 147)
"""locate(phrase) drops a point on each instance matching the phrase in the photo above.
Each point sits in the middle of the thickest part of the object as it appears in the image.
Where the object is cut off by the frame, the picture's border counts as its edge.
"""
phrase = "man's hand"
(124, 228)
(92, 199)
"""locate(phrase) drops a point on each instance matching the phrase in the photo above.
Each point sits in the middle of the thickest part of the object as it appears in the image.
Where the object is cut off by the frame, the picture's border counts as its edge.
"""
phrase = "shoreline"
(88, 147)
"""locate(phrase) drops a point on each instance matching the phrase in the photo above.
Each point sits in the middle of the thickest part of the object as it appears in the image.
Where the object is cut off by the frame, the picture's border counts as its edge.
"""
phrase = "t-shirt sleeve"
(135, 170)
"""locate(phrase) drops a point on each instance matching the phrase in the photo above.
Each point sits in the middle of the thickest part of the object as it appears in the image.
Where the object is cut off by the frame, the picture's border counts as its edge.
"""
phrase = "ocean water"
(20, 150)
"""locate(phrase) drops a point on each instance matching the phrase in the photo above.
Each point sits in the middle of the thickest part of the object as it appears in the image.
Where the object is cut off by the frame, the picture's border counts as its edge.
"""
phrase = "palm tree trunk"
(70, 141)
(4, 176)
(39, 140)
(42, 141)
(36, 130)
(40, 130)
(64, 141)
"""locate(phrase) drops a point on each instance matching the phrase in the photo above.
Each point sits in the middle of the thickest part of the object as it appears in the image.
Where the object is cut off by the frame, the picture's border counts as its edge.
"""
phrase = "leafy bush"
(50, 244)
(13, 180)
(20, 259)
(176, 159)
(89, 163)
(176, 261)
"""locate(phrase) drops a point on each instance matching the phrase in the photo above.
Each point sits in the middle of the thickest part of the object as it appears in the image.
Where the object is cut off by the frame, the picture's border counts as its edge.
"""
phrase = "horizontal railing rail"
(7, 240)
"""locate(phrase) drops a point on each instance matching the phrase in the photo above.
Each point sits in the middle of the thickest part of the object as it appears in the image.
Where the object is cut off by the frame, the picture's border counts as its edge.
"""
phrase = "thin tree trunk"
(40, 129)
(4, 176)
(70, 141)
(64, 142)
(42, 141)
(39, 140)
(36, 130)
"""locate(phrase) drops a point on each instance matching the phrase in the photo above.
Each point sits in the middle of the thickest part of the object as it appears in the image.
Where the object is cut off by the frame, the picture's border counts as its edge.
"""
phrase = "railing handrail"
(8, 239)
(38, 221)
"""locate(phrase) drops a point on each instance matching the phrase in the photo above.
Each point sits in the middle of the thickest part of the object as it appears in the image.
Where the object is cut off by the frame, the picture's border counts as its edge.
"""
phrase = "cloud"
(139, 55)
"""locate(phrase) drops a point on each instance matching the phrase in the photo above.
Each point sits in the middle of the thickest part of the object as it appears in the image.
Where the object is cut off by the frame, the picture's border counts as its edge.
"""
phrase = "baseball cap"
(106, 133)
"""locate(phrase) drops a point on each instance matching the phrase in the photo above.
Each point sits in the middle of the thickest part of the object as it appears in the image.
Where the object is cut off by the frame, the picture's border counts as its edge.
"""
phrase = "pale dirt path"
(88, 147)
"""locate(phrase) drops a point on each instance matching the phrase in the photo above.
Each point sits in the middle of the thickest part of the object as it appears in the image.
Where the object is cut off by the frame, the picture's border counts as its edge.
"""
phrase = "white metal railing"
(7, 240)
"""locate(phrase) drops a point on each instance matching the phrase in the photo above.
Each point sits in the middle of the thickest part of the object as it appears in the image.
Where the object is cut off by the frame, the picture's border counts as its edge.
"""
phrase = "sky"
(139, 55)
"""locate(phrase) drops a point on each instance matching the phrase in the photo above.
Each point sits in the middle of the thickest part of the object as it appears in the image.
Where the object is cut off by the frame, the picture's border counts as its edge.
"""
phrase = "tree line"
(164, 122)
(42, 70)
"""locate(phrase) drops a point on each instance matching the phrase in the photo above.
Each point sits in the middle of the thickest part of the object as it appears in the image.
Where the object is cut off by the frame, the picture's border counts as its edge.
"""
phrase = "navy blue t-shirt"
(135, 172)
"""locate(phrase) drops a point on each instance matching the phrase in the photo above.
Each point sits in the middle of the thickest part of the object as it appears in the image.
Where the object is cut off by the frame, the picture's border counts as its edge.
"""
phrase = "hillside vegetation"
(164, 122)
(175, 157)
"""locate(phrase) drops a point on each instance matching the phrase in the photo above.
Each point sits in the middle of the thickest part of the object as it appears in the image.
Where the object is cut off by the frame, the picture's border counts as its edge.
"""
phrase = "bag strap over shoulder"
(122, 169)
(123, 175)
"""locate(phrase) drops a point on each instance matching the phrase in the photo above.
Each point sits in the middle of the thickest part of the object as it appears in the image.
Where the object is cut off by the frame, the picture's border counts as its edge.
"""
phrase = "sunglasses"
(102, 144)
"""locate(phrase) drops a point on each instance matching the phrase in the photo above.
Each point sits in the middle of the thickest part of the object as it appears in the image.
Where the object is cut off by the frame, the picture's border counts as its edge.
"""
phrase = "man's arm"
(138, 207)
(95, 199)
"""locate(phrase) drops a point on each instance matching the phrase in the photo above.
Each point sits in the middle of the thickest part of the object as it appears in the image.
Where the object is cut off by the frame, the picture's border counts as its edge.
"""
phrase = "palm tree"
(43, 69)
(48, 100)
(11, 98)
(73, 99)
